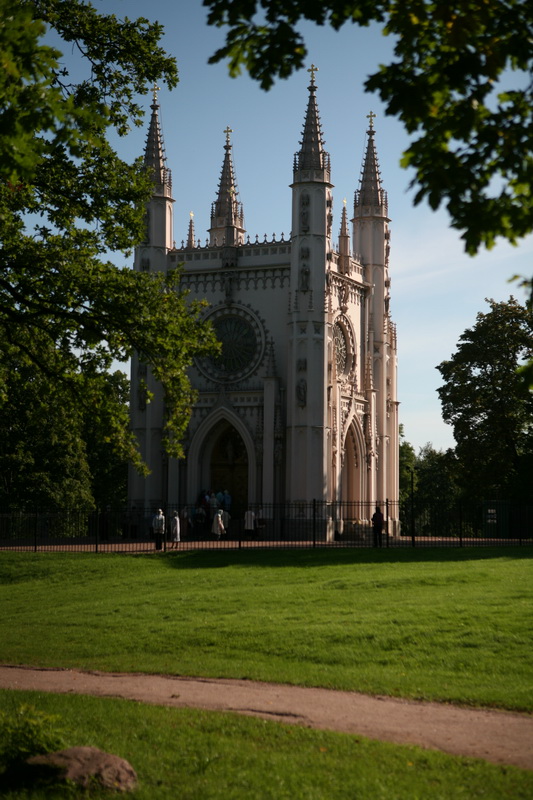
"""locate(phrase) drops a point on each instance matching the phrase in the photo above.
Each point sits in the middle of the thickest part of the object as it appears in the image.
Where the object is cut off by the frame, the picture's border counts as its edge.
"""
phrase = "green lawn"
(197, 755)
(450, 625)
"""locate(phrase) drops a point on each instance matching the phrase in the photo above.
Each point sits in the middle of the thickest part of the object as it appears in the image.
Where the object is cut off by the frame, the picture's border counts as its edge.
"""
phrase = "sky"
(436, 290)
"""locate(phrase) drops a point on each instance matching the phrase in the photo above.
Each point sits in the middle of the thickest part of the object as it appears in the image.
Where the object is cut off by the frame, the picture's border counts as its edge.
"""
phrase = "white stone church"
(301, 404)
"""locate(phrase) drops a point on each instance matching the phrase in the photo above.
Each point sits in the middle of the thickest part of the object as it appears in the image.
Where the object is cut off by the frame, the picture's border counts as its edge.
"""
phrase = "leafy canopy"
(66, 202)
(488, 404)
(471, 142)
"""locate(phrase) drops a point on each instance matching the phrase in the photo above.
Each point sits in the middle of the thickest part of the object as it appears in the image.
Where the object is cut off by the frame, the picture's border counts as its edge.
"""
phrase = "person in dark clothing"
(377, 526)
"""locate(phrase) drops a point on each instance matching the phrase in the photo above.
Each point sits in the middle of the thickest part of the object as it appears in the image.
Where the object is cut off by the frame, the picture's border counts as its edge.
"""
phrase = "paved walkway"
(497, 736)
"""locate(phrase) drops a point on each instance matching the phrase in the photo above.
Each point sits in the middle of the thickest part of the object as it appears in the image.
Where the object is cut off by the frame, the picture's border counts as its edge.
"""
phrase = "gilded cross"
(371, 117)
(312, 69)
(227, 132)
(155, 90)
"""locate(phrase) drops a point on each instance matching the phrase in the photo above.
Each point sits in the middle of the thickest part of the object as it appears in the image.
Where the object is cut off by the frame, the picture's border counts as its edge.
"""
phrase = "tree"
(489, 405)
(43, 459)
(472, 143)
(107, 466)
(66, 201)
(407, 467)
(437, 472)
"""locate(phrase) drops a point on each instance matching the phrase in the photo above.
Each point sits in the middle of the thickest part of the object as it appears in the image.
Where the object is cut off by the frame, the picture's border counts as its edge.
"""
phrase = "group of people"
(212, 508)
(210, 512)
(159, 527)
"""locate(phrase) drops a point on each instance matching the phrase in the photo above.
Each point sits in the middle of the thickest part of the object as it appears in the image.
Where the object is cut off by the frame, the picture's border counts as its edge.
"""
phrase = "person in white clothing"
(217, 527)
(175, 528)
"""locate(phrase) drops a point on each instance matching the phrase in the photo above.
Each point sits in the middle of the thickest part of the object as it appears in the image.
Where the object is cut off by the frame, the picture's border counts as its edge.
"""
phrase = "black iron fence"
(305, 524)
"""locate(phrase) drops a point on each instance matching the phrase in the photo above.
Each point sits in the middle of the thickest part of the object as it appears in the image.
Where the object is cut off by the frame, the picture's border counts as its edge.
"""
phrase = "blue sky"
(436, 289)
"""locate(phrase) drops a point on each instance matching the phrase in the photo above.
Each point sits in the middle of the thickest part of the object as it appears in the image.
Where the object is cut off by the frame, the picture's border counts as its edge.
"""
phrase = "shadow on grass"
(20, 778)
(316, 557)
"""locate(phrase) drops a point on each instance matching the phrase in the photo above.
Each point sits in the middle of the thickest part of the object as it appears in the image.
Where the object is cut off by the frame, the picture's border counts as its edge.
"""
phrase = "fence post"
(387, 525)
(96, 531)
(314, 522)
(460, 523)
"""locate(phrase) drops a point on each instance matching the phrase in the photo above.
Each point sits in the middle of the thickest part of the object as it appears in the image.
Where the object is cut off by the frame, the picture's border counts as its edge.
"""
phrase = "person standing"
(217, 527)
(377, 526)
(175, 529)
(158, 527)
(227, 500)
(225, 520)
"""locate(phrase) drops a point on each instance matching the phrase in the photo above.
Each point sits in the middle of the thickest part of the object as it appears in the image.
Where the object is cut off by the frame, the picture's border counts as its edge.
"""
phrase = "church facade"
(301, 404)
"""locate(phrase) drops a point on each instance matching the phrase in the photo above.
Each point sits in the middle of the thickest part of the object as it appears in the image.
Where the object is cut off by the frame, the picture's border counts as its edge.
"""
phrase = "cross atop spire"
(154, 151)
(312, 154)
(370, 191)
(227, 219)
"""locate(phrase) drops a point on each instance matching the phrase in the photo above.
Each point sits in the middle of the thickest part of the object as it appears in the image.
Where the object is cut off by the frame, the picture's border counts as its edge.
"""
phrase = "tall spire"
(344, 242)
(190, 236)
(312, 155)
(344, 222)
(370, 192)
(154, 151)
(227, 218)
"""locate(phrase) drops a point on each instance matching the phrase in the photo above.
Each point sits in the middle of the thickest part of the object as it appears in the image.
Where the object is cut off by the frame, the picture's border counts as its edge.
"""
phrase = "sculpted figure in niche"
(301, 392)
(304, 278)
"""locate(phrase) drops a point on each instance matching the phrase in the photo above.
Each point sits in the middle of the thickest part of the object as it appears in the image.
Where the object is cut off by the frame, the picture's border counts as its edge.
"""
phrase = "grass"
(448, 625)
(197, 755)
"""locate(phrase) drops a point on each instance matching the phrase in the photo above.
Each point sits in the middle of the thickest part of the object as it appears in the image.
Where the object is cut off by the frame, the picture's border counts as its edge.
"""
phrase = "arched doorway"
(349, 468)
(228, 465)
(352, 477)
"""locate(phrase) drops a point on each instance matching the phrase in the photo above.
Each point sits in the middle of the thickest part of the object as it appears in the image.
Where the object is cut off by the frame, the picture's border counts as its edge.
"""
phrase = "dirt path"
(497, 736)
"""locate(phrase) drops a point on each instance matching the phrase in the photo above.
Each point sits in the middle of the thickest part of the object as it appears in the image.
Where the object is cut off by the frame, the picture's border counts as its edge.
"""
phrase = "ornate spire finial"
(344, 201)
(227, 219)
(154, 152)
(370, 191)
(190, 235)
(312, 154)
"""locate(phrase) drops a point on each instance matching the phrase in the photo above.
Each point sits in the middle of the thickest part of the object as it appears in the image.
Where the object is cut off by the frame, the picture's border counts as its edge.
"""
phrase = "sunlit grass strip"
(442, 625)
(195, 755)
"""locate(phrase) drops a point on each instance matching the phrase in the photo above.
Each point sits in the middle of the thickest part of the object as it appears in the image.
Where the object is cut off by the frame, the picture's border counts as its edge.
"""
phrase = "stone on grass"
(85, 766)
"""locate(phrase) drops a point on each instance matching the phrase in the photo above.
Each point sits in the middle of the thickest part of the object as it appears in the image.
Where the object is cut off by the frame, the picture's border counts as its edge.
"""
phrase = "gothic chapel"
(301, 404)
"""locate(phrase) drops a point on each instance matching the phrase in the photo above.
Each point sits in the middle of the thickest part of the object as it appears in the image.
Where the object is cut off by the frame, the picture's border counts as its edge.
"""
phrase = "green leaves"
(473, 142)
(66, 200)
(487, 402)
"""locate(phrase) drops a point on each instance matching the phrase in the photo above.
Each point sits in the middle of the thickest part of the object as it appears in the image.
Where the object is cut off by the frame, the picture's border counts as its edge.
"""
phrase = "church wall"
(312, 427)
(257, 286)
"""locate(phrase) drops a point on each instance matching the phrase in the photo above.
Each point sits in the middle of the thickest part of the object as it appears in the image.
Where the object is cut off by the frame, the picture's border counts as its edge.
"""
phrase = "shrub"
(27, 732)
